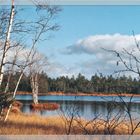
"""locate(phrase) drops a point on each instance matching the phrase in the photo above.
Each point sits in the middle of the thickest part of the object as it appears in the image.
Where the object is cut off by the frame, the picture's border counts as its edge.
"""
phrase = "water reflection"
(86, 109)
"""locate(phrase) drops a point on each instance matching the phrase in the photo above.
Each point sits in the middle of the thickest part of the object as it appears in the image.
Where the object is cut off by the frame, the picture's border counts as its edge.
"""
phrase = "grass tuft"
(45, 106)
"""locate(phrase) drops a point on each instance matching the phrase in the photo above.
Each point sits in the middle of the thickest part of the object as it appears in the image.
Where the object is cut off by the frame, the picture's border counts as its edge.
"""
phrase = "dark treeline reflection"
(97, 83)
(86, 109)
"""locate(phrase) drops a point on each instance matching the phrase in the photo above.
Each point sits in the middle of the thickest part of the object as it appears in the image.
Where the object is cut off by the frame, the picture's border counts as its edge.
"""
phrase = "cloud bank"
(101, 60)
(93, 44)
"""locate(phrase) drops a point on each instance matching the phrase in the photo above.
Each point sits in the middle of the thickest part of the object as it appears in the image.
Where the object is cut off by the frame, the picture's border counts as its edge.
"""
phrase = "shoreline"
(82, 94)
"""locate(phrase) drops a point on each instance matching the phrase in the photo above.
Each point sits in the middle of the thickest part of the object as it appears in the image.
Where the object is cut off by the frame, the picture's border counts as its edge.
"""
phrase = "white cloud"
(101, 60)
(93, 44)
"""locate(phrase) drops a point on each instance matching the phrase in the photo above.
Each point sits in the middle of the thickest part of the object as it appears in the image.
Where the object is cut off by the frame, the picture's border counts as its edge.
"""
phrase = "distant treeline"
(97, 83)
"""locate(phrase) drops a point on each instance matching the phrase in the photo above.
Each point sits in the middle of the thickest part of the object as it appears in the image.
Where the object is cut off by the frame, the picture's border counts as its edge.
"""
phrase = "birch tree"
(7, 41)
(39, 62)
(39, 27)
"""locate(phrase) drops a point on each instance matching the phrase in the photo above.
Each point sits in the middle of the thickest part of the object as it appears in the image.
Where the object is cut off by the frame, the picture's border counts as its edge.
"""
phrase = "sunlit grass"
(18, 124)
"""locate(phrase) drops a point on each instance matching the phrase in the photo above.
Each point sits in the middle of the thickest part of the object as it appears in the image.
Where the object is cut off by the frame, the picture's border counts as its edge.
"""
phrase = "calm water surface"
(85, 106)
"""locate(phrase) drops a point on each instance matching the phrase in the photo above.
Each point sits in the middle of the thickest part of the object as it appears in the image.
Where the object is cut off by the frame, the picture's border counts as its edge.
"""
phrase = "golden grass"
(45, 106)
(16, 108)
(17, 104)
(30, 124)
(20, 124)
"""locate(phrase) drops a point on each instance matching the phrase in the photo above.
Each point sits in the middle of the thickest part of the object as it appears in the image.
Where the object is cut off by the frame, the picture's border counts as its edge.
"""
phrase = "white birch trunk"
(7, 42)
(34, 85)
(36, 88)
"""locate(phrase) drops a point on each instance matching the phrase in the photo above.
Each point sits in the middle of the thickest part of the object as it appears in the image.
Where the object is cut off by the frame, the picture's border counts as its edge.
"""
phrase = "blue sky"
(88, 24)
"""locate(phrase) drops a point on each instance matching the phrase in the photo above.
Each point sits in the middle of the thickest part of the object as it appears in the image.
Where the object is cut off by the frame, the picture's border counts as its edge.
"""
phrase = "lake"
(84, 106)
